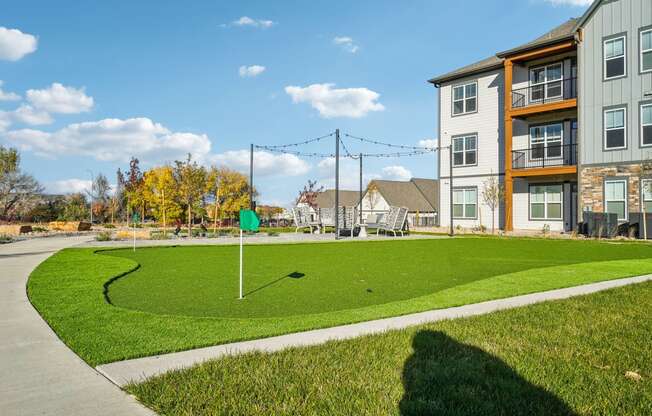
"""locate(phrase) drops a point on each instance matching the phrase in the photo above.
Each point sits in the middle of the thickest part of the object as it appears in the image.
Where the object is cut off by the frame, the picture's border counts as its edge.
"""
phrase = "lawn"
(558, 358)
(176, 298)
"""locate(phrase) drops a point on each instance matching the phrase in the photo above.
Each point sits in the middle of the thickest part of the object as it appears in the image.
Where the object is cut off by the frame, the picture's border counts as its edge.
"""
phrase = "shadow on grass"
(445, 377)
(293, 275)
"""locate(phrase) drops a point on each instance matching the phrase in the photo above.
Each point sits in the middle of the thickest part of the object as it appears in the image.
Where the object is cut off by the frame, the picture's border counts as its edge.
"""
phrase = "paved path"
(139, 369)
(39, 375)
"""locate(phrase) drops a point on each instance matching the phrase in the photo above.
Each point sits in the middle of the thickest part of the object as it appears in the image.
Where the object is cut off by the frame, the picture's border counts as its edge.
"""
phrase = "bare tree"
(493, 194)
(309, 194)
(19, 192)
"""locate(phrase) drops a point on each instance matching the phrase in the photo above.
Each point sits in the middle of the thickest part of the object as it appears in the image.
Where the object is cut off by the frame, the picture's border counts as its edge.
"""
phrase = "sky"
(84, 86)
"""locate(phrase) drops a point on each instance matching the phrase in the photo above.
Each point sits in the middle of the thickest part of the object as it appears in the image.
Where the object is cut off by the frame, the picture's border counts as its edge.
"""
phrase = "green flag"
(248, 220)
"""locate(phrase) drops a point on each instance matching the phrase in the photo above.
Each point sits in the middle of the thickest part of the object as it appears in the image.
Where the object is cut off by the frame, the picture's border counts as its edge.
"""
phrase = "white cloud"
(577, 3)
(248, 21)
(346, 43)
(7, 96)
(349, 174)
(331, 102)
(265, 163)
(113, 140)
(59, 98)
(5, 121)
(28, 115)
(69, 186)
(429, 143)
(396, 173)
(15, 44)
(251, 71)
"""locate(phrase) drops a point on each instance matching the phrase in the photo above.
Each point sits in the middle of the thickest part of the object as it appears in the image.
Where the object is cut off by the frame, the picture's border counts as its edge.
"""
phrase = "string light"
(398, 146)
(284, 146)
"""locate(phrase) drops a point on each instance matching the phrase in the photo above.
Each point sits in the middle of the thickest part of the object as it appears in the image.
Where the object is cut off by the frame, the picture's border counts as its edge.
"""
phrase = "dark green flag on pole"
(248, 222)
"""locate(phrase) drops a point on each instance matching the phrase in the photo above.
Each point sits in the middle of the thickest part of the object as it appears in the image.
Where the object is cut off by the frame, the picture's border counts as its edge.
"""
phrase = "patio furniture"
(327, 217)
(302, 220)
(394, 222)
(347, 219)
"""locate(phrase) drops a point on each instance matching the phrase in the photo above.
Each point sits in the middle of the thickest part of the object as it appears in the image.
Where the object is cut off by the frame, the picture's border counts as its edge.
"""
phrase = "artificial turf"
(170, 301)
(579, 356)
(286, 280)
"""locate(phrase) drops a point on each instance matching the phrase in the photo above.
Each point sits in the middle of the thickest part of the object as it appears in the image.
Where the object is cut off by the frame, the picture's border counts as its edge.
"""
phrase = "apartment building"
(564, 121)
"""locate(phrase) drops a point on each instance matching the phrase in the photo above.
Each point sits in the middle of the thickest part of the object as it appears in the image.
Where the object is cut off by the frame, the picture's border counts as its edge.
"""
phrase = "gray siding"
(612, 17)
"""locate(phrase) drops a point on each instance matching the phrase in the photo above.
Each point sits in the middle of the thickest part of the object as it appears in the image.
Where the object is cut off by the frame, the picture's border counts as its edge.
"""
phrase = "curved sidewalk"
(39, 374)
(123, 372)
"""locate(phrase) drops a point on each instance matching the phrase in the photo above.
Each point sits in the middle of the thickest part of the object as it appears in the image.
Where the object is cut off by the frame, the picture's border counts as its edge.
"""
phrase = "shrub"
(103, 236)
(109, 226)
(160, 236)
(273, 233)
(37, 229)
(4, 238)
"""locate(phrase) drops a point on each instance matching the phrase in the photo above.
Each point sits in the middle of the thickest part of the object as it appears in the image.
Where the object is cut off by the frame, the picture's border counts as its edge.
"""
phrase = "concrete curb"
(136, 370)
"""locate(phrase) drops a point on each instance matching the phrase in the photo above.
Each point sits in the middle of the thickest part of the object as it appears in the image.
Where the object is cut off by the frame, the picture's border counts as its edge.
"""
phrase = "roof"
(587, 15)
(326, 198)
(493, 62)
(562, 32)
(415, 195)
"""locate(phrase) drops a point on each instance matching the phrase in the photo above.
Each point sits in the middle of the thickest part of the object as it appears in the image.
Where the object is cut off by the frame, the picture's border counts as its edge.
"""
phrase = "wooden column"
(509, 185)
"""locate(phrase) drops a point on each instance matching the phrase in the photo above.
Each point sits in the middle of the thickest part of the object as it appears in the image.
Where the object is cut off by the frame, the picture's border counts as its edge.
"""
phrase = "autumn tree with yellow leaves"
(160, 192)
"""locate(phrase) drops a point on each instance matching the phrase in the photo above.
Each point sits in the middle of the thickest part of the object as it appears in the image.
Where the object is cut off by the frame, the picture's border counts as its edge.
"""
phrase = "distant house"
(326, 199)
(419, 196)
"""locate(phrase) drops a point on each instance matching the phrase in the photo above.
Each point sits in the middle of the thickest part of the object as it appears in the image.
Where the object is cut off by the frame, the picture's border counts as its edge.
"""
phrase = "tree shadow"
(445, 377)
(293, 275)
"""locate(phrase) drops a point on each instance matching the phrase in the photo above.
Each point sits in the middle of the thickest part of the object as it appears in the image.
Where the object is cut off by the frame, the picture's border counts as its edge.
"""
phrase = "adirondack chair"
(302, 219)
(394, 222)
(327, 217)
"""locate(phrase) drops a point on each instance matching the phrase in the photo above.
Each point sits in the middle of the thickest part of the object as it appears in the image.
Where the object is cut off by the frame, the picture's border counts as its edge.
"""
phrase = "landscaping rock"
(70, 225)
(15, 230)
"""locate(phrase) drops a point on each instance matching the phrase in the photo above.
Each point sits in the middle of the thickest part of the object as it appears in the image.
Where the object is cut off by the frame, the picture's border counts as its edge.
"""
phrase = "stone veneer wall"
(592, 184)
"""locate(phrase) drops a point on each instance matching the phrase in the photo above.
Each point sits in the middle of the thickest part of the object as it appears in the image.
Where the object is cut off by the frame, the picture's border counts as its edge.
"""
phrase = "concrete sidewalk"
(39, 374)
(123, 372)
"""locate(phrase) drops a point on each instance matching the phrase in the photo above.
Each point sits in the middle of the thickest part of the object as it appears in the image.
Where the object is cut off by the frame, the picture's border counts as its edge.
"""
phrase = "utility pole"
(337, 184)
(251, 177)
(360, 189)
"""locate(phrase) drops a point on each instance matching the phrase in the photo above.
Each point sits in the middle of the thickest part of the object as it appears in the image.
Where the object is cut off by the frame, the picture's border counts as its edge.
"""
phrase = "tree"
(493, 194)
(268, 212)
(133, 188)
(160, 192)
(230, 190)
(19, 192)
(75, 207)
(309, 194)
(100, 197)
(119, 196)
(190, 179)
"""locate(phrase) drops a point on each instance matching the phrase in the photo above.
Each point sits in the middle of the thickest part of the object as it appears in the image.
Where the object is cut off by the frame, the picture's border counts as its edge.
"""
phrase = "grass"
(178, 294)
(557, 358)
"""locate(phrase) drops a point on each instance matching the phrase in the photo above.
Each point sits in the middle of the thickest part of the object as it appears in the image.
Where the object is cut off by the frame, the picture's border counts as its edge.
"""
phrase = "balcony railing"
(551, 91)
(545, 156)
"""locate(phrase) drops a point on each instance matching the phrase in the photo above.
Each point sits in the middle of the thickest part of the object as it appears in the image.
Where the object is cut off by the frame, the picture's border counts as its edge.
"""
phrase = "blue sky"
(87, 85)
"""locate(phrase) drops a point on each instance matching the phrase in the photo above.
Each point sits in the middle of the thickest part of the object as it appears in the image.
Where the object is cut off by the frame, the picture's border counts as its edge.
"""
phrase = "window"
(646, 50)
(465, 202)
(615, 197)
(465, 151)
(546, 82)
(545, 141)
(465, 98)
(646, 191)
(614, 58)
(614, 129)
(546, 202)
(646, 125)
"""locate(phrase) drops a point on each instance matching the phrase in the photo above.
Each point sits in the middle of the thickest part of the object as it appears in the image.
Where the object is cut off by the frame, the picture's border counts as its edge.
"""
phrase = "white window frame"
(643, 199)
(605, 129)
(465, 204)
(605, 59)
(465, 150)
(464, 98)
(545, 83)
(642, 51)
(606, 201)
(643, 125)
(546, 202)
(545, 141)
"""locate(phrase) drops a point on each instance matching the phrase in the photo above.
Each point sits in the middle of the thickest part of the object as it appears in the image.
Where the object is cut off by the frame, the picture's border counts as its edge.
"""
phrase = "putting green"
(301, 279)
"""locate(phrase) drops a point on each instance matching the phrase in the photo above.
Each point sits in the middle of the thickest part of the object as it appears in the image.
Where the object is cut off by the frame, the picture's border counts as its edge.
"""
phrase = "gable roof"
(326, 199)
(487, 64)
(588, 13)
(565, 31)
(408, 194)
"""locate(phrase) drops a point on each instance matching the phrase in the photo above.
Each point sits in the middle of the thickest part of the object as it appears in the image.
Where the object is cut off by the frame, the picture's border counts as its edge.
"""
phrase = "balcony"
(548, 96)
(545, 160)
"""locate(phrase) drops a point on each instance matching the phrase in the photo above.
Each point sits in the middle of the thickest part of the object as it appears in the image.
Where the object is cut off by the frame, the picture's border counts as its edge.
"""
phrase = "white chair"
(394, 221)
(302, 220)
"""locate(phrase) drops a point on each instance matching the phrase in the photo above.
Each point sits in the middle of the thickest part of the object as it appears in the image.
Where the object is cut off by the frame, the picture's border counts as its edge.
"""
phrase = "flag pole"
(241, 264)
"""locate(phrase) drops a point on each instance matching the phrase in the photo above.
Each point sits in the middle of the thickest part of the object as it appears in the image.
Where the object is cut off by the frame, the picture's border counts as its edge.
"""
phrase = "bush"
(160, 236)
(109, 226)
(37, 229)
(103, 236)
(273, 233)
(4, 238)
